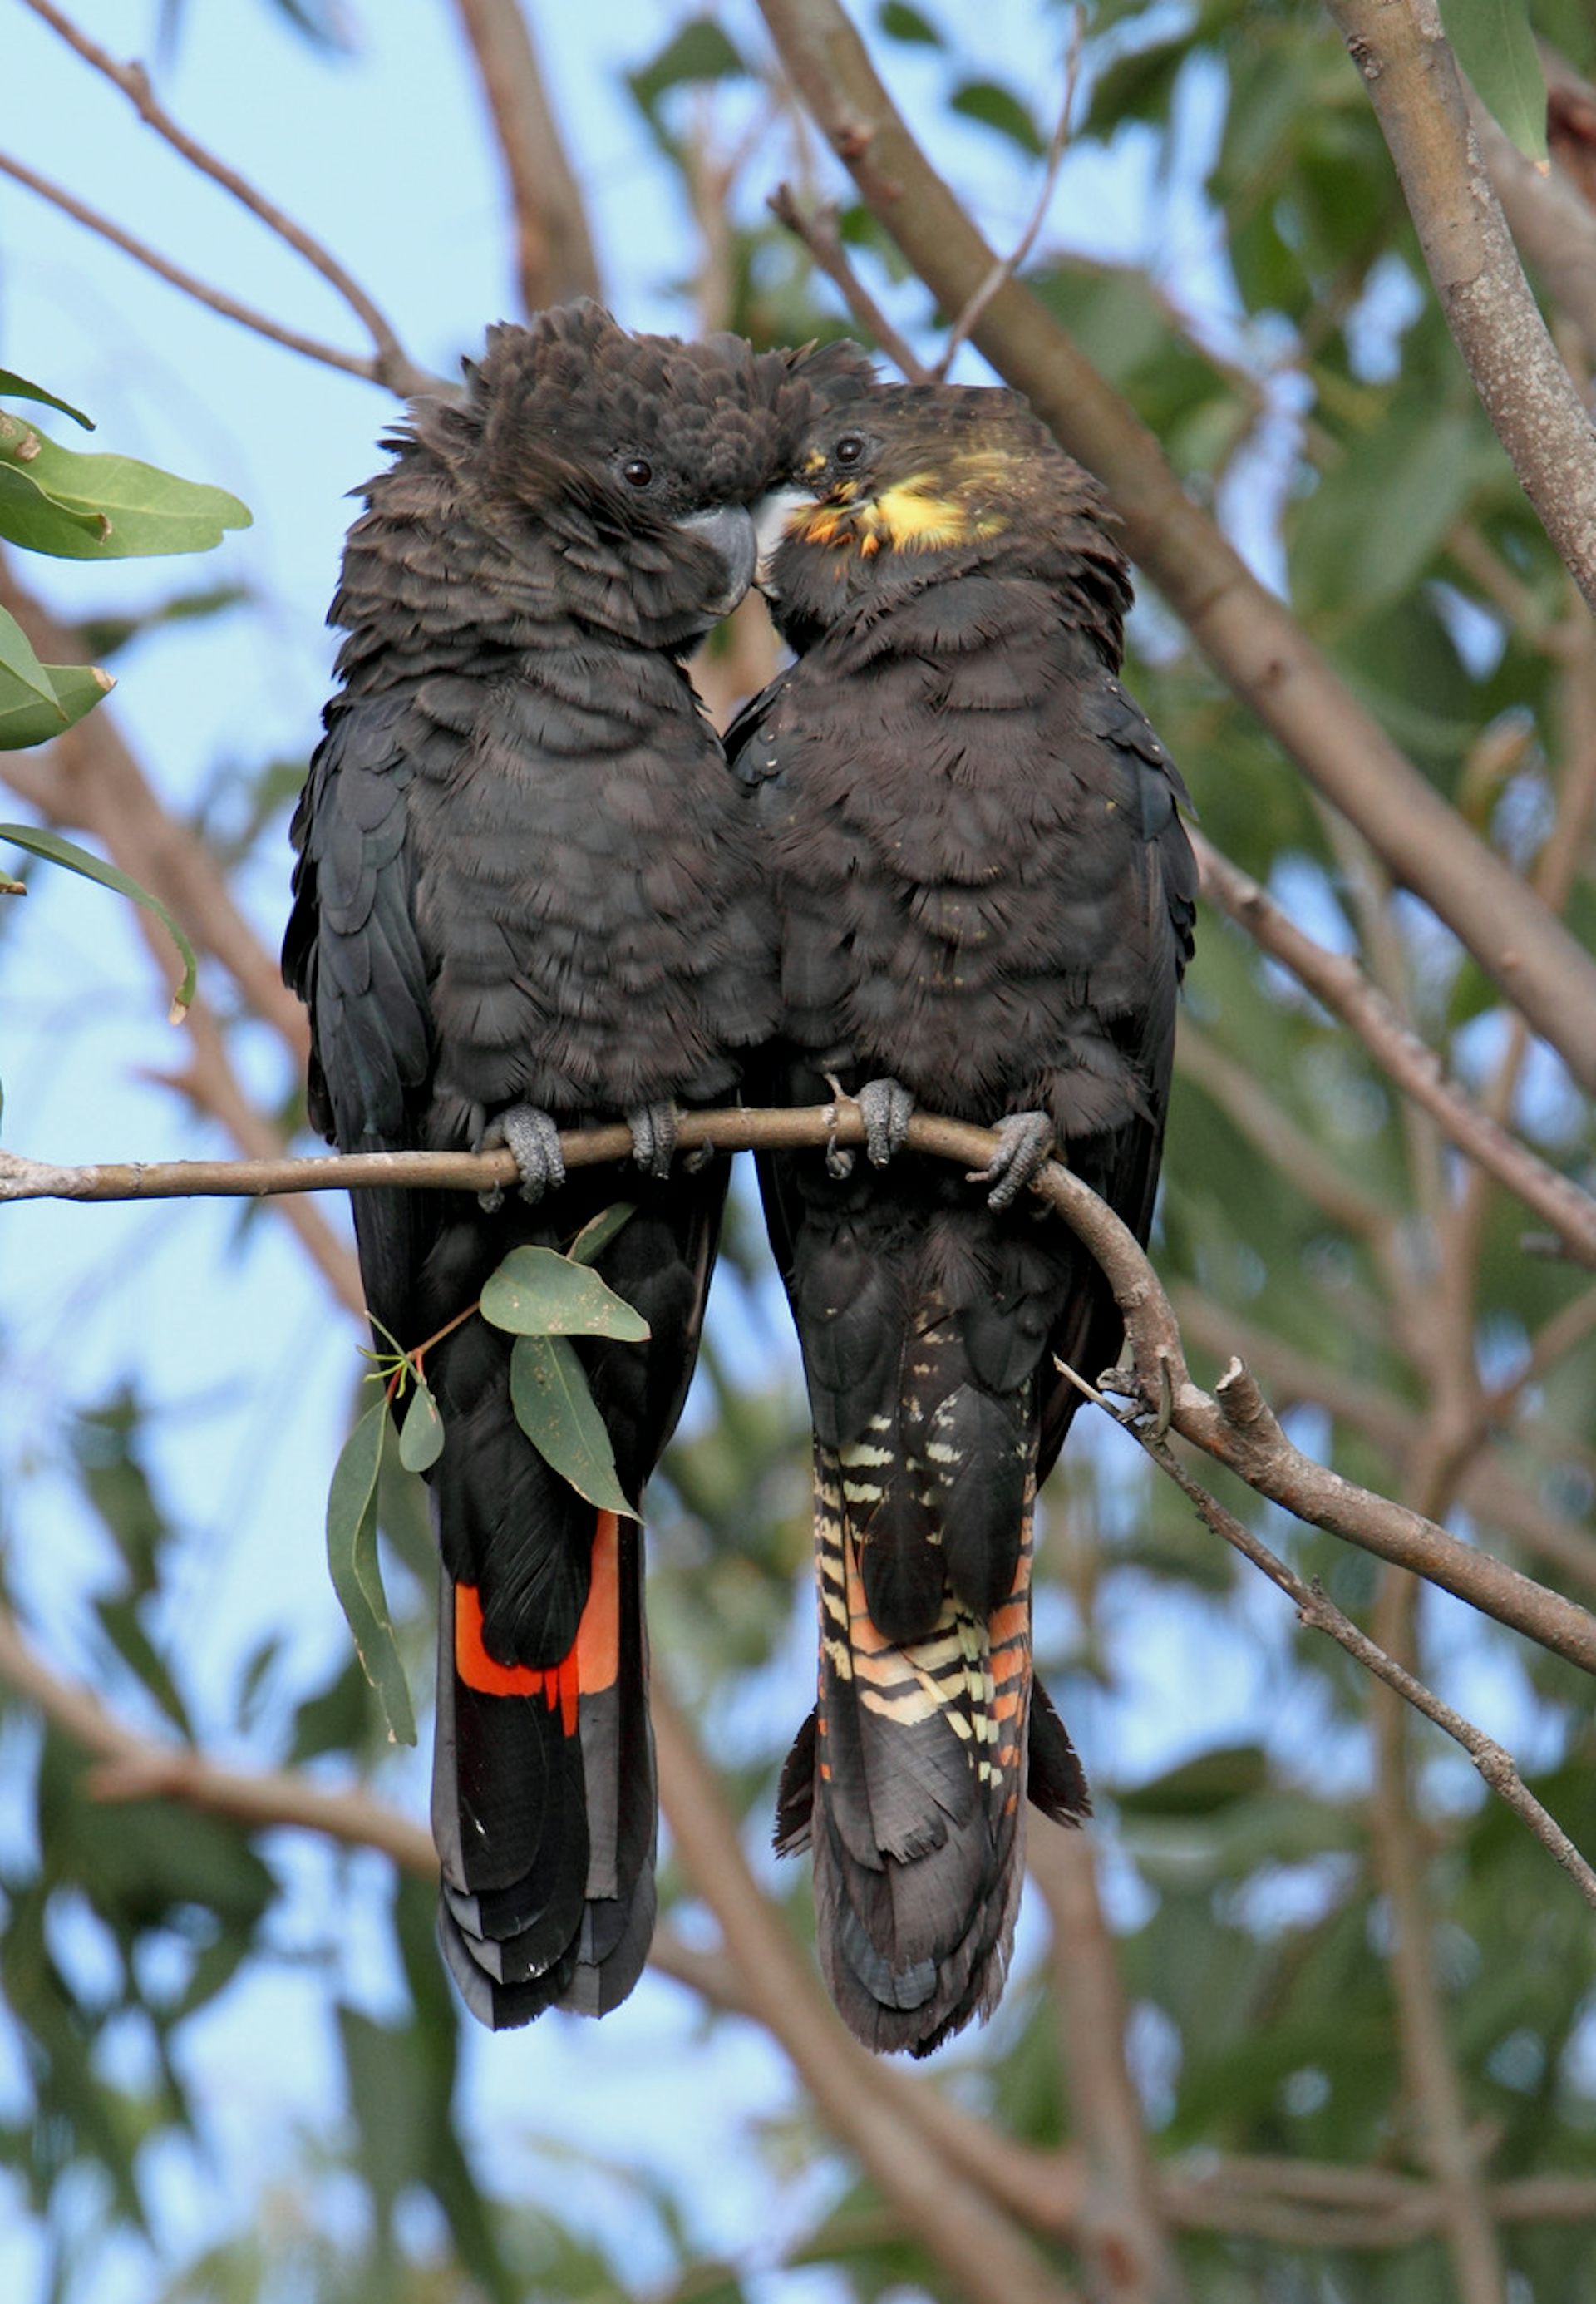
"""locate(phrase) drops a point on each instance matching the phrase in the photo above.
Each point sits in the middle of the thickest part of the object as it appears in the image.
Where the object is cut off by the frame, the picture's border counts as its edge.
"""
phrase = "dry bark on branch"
(1413, 83)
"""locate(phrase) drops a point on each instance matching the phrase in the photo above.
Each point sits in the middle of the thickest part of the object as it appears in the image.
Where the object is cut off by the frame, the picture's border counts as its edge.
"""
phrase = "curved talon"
(1025, 1140)
(531, 1135)
(886, 1107)
(654, 1137)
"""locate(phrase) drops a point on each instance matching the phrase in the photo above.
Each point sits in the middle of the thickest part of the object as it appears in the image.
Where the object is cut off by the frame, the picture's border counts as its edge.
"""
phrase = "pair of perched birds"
(938, 861)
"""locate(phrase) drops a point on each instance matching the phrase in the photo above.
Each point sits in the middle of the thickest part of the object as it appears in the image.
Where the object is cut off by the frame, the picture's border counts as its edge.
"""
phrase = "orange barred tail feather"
(544, 1801)
(910, 1783)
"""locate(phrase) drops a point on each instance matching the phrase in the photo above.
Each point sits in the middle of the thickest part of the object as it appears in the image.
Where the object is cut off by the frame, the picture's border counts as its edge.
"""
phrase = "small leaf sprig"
(543, 1298)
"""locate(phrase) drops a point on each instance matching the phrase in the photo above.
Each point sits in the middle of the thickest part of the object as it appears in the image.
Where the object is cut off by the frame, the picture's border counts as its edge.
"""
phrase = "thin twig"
(818, 229)
(1342, 987)
(362, 364)
(1005, 269)
(393, 365)
(1438, 2110)
(1318, 1610)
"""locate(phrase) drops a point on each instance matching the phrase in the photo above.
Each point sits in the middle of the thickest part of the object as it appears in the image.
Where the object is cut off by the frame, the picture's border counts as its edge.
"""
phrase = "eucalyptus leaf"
(14, 386)
(998, 107)
(1494, 41)
(548, 1390)
(356, 1572)
(18, 660)
(33, 519)
(26, 719)
(112, 507)
(421, 1434)
(67, 853)
(902, 22)
(595, 1235)
(536, 1291)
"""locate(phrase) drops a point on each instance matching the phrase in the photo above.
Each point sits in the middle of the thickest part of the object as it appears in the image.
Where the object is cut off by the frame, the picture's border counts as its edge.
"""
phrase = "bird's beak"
(728, 532)
(772, 516)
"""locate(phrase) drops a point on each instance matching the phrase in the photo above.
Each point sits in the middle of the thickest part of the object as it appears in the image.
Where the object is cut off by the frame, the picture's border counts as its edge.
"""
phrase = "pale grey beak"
(772, 515)
(728, 532)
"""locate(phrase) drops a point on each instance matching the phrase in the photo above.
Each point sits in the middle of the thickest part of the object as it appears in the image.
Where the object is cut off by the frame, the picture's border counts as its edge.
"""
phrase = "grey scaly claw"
(654, 1137)
(1025, 1140)
(531, 1135)
(887, 1108)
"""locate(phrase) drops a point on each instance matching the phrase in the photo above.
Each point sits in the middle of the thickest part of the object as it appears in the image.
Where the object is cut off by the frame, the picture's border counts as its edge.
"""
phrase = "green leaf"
(596, 1236)
(18, 659)
(999, 107)
(111, 507)
(902, 22)
(357, 1575)
(17, 387)
(26, 719)
(537, 1292)
(1495, 44)
(31, 518)
(553, 1407)
(55, 849)
(421, 1434)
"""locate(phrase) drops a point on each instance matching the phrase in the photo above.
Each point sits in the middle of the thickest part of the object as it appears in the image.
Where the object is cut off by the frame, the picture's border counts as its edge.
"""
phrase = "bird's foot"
(654, 1137)
(1025, 1140)
(531, 1135)
(887, 1108)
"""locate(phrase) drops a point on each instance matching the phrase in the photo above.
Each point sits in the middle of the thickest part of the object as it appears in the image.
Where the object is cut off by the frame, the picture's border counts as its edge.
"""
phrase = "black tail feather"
(544, 1802)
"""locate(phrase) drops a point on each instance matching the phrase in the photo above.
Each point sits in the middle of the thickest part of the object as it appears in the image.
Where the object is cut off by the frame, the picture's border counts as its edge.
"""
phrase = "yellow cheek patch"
(919, 515)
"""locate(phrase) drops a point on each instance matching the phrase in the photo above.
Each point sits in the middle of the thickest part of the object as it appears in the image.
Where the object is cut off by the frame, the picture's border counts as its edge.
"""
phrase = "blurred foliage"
(1288, 354)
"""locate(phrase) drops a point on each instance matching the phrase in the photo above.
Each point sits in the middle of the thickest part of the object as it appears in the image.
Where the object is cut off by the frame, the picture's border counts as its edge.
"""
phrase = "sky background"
(223, 1327)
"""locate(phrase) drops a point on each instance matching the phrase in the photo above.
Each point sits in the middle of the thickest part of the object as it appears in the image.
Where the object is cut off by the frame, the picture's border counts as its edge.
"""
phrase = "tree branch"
(984, 2252)
(1316, 1609)
(362, 364)
(1411, 75)
(1487, 1487)
(392, 364)
(1356, 2208)
(89, 780)
(1235, 1425)
(1122, 2235)
(1551, 223)
(1007, 267)
(554, 258)
(1249, 635)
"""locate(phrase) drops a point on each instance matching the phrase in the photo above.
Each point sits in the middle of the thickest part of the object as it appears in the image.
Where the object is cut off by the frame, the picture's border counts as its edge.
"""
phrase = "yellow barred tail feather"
(908, 1781)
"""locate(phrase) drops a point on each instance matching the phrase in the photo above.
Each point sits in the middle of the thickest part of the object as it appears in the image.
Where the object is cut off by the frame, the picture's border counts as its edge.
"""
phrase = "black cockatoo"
(526, 900)
(985, 899)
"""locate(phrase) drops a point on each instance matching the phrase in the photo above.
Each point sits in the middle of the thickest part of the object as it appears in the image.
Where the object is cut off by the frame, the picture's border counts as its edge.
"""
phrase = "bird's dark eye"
(849, 449)
(636, 472)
